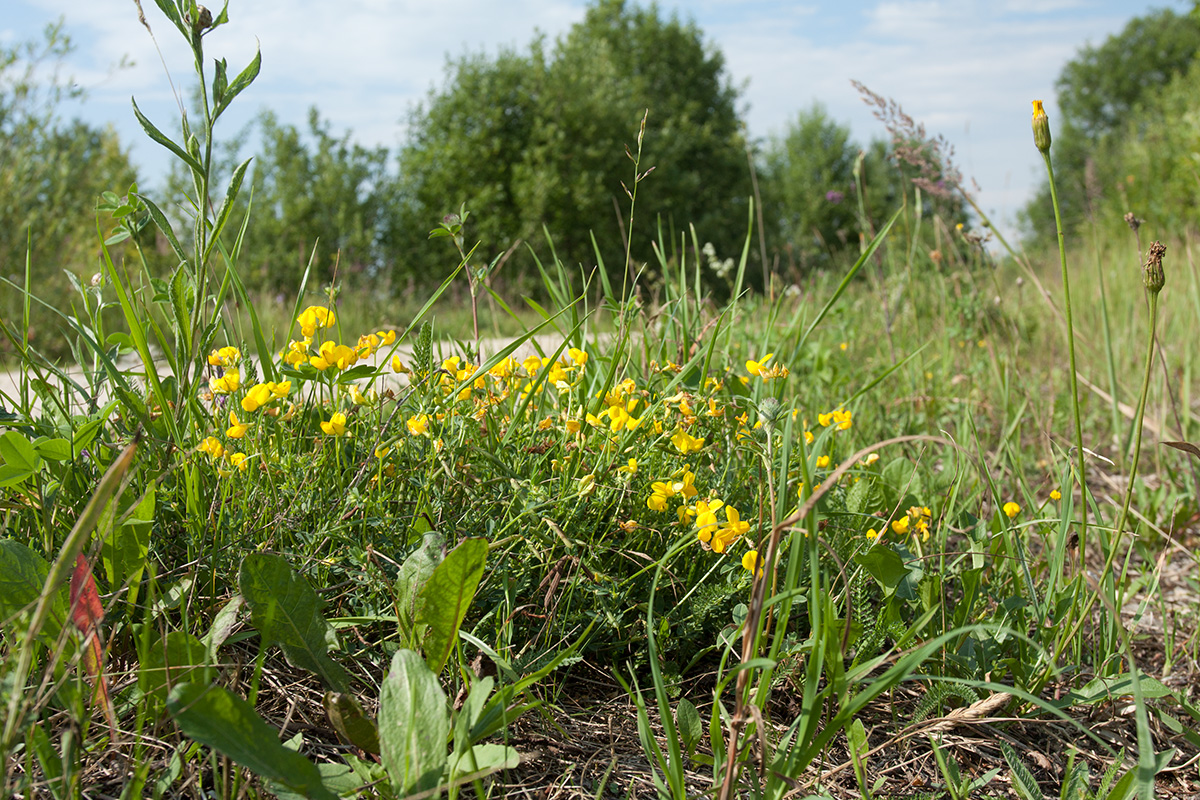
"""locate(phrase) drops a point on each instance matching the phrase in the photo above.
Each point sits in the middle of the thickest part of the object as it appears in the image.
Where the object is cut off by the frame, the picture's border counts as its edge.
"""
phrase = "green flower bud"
(1041, 127)
(1152, 273)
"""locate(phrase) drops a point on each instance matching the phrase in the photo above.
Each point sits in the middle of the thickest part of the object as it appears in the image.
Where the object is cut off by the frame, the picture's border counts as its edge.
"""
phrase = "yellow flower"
(844, 345)
(359, 398)
(418, 425)
(382, 451)
(258, 396)
(750, 563)
(808, 437)
(315, 317)
(213, 447)
(825, 419)
(587, 484)
(337, 356)
(870, 459)
(239, 460)
(841, 418)
(900, 526)
(296, 352)
(398, 366)
(686, 443)
(706, 520)
(630, 468)
(872, 533)
(225, 357)
(660, 492)
(578, 356)
(758, 367)
(822, 462)
(227, 383)
(336, 426)
(731, 531)
(236, 429)
(1056, 495)
(1011, 509)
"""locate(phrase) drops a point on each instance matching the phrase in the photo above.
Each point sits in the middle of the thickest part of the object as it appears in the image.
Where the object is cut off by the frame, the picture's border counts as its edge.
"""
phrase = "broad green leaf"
(222, 626)
(53, 449)
(228, 724)
(286, 611)
(884, 565)
(413, 574)
(17, 452)
(23, 574)
(414, 724)
(483, 758)
(687, 720)
(446, 596)
(178, 658)
(349, 720)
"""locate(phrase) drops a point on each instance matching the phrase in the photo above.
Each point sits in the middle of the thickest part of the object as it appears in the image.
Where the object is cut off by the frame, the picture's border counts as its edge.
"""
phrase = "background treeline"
(534, 141)
(1128, 139)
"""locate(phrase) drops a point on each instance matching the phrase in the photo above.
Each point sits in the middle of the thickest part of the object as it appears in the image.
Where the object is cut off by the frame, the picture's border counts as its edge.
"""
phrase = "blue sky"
(968, 69)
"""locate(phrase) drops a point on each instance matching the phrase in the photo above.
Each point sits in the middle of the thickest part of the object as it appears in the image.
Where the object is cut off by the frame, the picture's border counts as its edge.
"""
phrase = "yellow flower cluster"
(767, 371)
(915, 522)
(841, 418)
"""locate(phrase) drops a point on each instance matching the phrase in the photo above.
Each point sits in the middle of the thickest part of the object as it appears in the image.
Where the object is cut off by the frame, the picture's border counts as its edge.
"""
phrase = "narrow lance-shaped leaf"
(87, 613)
(414, 724)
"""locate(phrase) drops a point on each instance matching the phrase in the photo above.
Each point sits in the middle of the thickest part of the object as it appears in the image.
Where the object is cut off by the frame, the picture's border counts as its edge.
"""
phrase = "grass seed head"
(1152, 273)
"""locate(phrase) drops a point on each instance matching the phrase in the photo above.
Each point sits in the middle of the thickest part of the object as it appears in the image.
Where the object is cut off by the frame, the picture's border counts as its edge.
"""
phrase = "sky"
(967, 69)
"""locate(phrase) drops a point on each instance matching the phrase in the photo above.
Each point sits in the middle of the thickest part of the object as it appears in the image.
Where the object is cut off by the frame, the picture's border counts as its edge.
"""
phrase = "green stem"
(1062, 256)
(1138, 418)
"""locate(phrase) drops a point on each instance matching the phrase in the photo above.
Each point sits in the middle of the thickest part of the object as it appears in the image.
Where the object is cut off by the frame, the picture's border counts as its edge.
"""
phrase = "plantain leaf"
(286, 611)
(444, 599)
(228, 724)
(414, 724)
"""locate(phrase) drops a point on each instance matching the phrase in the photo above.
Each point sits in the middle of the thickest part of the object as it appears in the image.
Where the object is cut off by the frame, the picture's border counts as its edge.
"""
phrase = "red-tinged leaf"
(87, 612)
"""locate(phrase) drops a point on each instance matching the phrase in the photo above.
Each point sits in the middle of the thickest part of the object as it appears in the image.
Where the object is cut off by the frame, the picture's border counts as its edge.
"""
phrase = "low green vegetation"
(808, 532)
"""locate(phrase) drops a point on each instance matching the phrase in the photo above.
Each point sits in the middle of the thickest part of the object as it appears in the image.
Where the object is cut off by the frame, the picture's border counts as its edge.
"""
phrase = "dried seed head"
(1152, 273)
(1133, 222)
(1041, 127)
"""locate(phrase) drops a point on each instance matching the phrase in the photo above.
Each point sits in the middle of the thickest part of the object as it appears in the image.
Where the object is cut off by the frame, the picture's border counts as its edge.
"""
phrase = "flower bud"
(1152, 273)
(1041, 127)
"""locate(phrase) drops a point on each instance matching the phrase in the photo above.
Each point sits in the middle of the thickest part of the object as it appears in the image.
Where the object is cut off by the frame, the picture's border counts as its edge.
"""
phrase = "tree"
(808, 189)
(51, 174)
(537, 138)
(1100, 92)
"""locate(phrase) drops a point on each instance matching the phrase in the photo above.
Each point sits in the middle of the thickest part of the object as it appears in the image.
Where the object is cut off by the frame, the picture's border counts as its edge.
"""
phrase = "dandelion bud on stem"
(1041, 127)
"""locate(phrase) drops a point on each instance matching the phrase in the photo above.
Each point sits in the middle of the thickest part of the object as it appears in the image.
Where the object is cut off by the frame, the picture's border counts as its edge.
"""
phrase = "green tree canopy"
(1103, 95)
(536, 138)
(52, 171)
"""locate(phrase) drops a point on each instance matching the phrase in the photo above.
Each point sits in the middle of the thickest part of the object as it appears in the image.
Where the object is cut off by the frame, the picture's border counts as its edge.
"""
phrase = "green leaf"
(484, 758)
(53, 449)
(228, 724)
(687, 719)
(178, 658)
(286, 611)
(17, 452)
(123, 553)
(413, 574)
(884, 565)
(164, 225)
(1023, 782)
(158, 136)
(244, 79)
(446, 596)
(231, 193)
(222, 626)
(414, 724)
(349, 720)
(23, 573)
